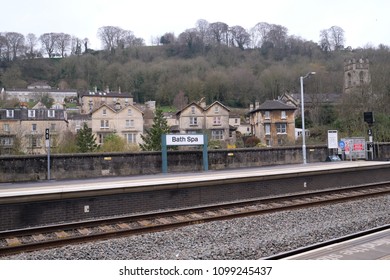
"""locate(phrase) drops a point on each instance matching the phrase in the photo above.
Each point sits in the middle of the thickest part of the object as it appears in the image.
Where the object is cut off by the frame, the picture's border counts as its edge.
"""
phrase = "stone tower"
(357, 77)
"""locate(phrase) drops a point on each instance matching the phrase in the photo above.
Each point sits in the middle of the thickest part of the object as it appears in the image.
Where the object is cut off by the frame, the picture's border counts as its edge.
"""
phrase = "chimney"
(251, 107)
(108, 89)
(257, 105)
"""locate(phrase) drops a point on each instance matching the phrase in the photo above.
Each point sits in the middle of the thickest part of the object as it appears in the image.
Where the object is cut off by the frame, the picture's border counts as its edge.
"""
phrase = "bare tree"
(110, 37)
(332, 38)
(337, 37)
(62, 43)
(202, 26)
(219, 32)
(15, 43)
(325, 41)
(3, 46)
(48, 41)
(75, 46)
(240, 36)
(31, 43)
(259, 33)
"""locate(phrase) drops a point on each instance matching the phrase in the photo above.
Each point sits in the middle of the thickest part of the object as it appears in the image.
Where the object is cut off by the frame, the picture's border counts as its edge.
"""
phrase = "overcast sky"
(364, 22)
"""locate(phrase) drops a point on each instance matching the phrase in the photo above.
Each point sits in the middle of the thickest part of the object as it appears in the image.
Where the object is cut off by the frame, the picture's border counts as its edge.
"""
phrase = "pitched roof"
(274, 105)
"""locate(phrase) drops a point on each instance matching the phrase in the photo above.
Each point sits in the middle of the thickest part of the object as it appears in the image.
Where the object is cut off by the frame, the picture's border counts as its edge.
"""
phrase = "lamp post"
(303, 117)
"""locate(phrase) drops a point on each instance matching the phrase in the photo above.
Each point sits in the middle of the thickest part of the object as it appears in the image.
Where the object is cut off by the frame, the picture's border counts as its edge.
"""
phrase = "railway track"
(30, 239)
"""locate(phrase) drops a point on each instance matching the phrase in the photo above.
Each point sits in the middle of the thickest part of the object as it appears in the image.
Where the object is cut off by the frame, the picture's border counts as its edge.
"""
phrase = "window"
(104, 113)
(217, 134)
(104, 124)
(129, 112)
(34, 127)
(6, 141)
(52, 127)
(192, 109)
(129, 123)
(236, 121)
(267, 115)
(51, 113)
(283, 115)
(6, 127)
(361, 77)
(193, 121)
(217, 121)
(267, 128)
(31, 113)
(216, 109)
(281, 128)
(131, 137)
(10, 113)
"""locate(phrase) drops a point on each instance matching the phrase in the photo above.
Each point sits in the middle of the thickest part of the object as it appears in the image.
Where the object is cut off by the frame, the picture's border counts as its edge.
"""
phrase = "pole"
(303, 124)
(164, 154)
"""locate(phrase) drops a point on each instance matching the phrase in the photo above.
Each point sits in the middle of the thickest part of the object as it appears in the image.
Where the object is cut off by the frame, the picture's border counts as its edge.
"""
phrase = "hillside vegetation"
(176, 73)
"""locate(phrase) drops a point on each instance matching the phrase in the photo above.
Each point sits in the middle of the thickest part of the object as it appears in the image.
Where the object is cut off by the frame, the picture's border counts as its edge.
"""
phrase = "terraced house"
(196, 117)
(23, 130)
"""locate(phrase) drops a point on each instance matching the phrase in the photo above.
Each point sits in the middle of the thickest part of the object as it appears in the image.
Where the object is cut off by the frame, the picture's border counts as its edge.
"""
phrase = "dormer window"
(10, 113)
(31, 113)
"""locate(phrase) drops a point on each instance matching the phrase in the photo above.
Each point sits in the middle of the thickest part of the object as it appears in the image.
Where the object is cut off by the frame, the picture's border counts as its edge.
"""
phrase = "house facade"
(198, 118)
(92, 100)
(127, 122)
(24, 129)
(273, 123)
(36, 91)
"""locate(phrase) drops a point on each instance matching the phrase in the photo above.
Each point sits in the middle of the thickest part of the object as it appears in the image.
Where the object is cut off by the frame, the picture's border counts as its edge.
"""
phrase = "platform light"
(303, 117)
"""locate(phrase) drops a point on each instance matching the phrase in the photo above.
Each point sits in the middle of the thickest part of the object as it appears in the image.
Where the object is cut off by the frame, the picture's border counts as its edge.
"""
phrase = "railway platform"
(49, 202)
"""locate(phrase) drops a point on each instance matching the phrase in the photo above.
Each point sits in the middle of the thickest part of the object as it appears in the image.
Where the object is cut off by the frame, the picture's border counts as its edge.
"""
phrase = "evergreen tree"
(152, 139)
(85, 140)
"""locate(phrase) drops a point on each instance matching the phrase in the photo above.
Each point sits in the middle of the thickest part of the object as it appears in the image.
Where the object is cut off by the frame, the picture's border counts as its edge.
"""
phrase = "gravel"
(244, 238)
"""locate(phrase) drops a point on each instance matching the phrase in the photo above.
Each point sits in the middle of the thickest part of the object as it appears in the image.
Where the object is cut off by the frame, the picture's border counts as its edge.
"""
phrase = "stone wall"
(77, 166)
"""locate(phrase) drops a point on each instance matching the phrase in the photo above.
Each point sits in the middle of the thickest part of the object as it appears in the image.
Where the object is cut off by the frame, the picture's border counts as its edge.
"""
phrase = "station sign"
(184, 139)
(332, 139)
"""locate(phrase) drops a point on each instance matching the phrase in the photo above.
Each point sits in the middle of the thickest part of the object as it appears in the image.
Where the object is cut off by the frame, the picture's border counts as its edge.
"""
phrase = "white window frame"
(217, 120)
(6, 127)
(10, 113)
(281, 128)
(217, 134)
(216, 109)
(267, 115)
(193, 121)
(131, 138)
(51, 114)
(267, 129)
(283, 115)
(31, 113)
(129, 123)
(104, 124)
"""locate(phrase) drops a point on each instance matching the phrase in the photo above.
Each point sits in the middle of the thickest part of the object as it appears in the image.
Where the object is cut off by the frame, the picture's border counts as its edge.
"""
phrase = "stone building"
(357, 75)
(273, 123)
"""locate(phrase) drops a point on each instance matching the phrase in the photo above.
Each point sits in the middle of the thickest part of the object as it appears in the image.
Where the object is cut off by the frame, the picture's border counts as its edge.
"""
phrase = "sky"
(365, 23)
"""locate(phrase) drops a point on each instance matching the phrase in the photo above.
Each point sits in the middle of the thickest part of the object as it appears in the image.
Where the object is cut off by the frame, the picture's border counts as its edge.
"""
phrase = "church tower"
(357, 77)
